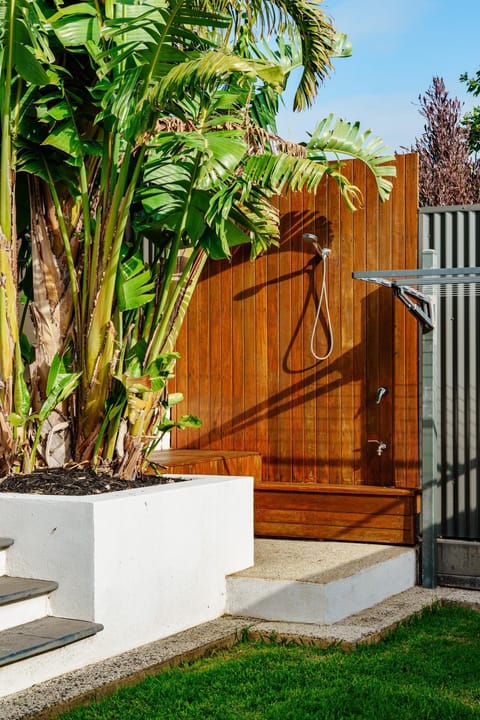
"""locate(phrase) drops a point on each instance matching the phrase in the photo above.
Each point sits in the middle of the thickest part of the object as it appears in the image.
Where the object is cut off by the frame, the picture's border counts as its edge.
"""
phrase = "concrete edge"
(48, 700)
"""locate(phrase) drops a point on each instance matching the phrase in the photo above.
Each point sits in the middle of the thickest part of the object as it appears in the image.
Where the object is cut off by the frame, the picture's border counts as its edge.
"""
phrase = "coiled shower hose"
(324, 254)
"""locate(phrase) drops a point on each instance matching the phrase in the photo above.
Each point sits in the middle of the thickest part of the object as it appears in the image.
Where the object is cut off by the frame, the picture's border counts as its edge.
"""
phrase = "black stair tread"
(5, 542)
(13, 589)
(39, 636)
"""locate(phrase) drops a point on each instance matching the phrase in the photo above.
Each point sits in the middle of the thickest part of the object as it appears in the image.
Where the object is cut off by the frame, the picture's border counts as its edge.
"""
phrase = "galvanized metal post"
(429, 470)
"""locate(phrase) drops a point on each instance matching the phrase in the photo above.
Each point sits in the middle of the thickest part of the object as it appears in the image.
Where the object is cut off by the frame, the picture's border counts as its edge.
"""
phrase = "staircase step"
(39, 636)
(318, 582)
(14, 589)
(5, 543)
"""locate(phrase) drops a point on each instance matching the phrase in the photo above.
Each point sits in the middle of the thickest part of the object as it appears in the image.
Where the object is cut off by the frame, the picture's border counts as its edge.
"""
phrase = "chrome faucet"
(381, 446)
(382, 390)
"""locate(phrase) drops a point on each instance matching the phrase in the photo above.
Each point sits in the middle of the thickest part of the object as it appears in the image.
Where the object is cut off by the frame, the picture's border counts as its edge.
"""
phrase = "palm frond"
(277, 172)
(337, 136)
(213, 67)
(305, 21)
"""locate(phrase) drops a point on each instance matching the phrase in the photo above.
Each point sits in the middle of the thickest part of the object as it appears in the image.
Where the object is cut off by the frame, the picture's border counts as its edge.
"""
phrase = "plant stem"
(68, 252)
(156, 341)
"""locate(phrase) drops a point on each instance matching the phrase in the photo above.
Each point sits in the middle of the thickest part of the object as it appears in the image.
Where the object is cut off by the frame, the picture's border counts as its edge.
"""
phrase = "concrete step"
(26, 628)
(14, 589)
(23, 600)
(32, 638)
(318, 582)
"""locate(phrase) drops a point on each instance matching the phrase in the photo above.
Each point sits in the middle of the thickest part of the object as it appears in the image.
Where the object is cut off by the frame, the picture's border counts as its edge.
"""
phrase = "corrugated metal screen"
(454, 233)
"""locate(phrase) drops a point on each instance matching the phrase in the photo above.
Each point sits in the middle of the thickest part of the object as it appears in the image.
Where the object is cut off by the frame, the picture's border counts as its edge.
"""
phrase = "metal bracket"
(423, 309)
(420, 305)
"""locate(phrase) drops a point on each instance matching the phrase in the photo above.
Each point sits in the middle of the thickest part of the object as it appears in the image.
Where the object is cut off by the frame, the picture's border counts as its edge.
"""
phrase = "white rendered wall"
(145, 563)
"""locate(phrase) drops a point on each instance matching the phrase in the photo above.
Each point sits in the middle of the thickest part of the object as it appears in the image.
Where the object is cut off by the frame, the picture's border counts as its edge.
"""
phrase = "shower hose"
(323, 300)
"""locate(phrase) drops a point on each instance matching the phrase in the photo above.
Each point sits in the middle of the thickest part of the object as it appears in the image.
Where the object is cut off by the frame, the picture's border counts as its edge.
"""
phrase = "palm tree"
(124, 122)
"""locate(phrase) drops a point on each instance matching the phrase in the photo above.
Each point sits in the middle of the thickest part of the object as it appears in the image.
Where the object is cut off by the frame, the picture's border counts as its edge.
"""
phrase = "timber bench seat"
(209, 462)
(363, 513)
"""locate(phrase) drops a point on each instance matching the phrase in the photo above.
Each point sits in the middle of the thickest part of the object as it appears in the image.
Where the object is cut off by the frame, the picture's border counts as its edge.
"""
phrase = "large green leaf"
(134, 284)
(210, 68)
(277, 172)
(61, 383)
(28, 66)
(335, 135)
(75, 25)
(65, 137)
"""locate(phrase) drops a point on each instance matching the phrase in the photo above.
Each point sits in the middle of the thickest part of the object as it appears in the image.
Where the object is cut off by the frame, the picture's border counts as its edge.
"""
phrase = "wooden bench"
(363, 513)
(209, 462)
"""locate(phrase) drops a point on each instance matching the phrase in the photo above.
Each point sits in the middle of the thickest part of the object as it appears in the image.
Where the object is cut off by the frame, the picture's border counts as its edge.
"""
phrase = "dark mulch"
(61, 481)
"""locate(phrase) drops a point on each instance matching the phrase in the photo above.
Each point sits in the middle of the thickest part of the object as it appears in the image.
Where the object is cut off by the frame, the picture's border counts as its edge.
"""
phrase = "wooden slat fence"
(246, 368)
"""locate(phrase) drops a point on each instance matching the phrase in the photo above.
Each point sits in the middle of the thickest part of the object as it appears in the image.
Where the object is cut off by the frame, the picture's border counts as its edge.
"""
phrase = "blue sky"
(398, 46)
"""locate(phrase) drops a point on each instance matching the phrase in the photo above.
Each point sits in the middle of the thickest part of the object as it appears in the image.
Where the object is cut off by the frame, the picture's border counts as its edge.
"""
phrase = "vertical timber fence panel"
(247, 368)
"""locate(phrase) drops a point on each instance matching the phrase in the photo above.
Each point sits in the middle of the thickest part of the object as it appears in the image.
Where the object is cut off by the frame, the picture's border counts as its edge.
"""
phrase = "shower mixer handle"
(381, 446)
(382, 390)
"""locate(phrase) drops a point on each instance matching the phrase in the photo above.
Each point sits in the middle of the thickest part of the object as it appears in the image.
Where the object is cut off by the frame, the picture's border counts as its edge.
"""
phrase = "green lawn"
(427, 668)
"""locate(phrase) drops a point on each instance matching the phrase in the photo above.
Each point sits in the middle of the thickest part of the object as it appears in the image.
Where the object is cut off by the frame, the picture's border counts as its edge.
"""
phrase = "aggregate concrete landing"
(49, 699)
(318, 582)
(315, 562)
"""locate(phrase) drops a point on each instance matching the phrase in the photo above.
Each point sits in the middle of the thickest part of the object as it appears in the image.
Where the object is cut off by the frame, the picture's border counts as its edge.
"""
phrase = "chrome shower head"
(311, 238)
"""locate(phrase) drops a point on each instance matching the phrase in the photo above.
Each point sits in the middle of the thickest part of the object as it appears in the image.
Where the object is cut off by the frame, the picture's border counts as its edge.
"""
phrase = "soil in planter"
(76, 481)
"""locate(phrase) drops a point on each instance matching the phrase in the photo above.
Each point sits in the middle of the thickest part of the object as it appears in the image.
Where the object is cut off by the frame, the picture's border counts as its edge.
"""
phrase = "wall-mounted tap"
(381, 446)
(380, 393)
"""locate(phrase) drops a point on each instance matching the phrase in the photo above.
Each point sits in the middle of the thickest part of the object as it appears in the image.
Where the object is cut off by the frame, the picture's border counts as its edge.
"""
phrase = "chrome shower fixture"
(324, 255)
(380, 393)
(311, 238)
(381, 446)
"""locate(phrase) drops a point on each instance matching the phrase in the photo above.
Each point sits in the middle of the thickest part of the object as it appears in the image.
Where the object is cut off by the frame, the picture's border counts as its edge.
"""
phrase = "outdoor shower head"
(311, 238)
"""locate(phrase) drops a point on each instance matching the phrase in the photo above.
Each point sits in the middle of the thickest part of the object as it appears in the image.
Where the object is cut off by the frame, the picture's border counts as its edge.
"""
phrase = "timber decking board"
(359, 260)
(335, 502)
(349, 534)
(328, 489)
(215, 358)
(307, 470)
(383, 514)
(295, 345)
(347, 314)
(317, 517)
(411, 329)
(209, 462)
(399, 260)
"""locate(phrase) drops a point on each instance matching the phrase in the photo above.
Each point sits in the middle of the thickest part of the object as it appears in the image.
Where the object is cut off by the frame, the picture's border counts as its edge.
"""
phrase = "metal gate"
(454, 234)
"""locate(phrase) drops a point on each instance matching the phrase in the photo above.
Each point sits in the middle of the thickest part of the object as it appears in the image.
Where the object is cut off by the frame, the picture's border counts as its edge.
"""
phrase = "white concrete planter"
(145, 563)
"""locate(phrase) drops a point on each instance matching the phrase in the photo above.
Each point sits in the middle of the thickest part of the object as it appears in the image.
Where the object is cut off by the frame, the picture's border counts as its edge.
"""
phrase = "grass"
(429, 667)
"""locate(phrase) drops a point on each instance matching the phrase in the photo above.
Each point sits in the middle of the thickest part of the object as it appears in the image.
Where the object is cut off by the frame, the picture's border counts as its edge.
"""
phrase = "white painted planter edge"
(145, 563)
